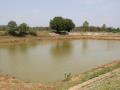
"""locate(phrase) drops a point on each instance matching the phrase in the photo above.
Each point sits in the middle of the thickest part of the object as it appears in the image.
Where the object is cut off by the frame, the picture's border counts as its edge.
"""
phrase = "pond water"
(48, 61)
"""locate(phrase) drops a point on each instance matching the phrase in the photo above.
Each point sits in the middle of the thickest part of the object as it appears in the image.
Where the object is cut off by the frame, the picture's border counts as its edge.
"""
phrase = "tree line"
(57, 24)
(87, 28)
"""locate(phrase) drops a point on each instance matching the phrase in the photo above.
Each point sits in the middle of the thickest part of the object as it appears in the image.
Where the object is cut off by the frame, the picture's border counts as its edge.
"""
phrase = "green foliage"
(12, 24)
(3, 27)
(104, 26)
(60, 24)
(97, 29)
(57, 24)
(23, 29)
(68, 24)
(33, 32)
(12, 28)
(87, 76)
(86, 24)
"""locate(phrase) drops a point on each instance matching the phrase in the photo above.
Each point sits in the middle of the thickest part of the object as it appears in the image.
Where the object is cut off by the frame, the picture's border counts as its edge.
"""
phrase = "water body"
(48, 61)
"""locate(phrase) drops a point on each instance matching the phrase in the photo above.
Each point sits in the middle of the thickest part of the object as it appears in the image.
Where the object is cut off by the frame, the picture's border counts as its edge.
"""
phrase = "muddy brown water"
(48, 61)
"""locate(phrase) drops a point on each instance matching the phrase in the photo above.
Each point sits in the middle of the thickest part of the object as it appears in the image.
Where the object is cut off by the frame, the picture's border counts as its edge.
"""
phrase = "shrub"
(33, 32)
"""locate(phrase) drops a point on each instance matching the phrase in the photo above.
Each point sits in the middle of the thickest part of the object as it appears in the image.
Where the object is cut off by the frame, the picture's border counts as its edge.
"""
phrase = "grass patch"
(78, 79)
(112, 83)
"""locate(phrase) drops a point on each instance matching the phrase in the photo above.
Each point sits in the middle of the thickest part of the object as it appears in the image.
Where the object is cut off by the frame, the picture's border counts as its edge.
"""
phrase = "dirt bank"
(82, 78)
(10, 83)
(71, 36)
(95, 83)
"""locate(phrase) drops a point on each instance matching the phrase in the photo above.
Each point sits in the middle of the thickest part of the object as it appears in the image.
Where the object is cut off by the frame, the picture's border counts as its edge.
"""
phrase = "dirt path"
(91, 83)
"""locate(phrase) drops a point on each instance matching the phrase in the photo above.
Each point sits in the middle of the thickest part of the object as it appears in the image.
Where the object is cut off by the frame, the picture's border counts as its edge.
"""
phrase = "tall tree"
(86, 24)
(61, 24)
(12, 24)
(57, 24)
(103, 27)
(23, 29)
(68, 24)
(12, 27)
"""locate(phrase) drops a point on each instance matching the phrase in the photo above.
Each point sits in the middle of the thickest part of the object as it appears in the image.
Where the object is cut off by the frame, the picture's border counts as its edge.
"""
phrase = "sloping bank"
(10, 83)
(88, 75)
(108, 81)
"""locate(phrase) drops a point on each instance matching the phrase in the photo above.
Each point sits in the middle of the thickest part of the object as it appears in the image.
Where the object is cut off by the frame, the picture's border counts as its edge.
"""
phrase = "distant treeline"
(76, 29)
(96, 29)
(41, 28)
(83, 28)
(3, 27)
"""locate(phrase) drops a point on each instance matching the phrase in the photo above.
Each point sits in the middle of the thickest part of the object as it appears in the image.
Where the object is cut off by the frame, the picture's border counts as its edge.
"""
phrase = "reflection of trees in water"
(84, 45)
(22, 48)
(18, 53)
(61, 49)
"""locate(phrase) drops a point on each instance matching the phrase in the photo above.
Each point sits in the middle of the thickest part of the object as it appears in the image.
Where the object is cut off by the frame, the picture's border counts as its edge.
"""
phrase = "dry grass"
(3, 33)
(43, 33)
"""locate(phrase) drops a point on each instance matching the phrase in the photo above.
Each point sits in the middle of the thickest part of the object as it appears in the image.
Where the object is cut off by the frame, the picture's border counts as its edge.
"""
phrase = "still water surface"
(48, 61)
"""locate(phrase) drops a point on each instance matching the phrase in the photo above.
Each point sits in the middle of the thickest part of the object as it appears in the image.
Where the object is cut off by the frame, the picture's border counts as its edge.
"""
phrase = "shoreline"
(10, 82)
(95, 81)
(80, 78)
(92, 36)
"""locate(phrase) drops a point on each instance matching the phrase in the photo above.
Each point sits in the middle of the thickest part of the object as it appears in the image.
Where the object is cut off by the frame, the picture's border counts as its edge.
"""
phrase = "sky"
(39, 12)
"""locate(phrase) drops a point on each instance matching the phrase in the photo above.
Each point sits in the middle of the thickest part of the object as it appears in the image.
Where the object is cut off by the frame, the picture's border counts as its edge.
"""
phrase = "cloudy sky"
(39, 12)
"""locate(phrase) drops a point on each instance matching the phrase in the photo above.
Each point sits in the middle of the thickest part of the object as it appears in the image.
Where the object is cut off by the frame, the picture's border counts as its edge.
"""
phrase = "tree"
(103, 27)
(12, 24)
(12, 27)
(61, 49)
(57, 24)
(23, 29)
(68, 24)
(86, 24)
(61, 24)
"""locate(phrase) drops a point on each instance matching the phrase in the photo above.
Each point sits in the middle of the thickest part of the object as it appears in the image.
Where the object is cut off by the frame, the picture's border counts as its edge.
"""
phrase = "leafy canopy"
(14, 30)
(61, 24)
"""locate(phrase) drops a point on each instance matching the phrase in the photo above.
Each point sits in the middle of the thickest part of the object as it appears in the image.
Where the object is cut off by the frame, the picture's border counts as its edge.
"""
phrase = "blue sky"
(39, 12)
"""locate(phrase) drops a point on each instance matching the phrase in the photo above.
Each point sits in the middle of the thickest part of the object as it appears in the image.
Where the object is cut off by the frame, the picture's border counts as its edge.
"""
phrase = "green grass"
(64, 85)
(112, 83)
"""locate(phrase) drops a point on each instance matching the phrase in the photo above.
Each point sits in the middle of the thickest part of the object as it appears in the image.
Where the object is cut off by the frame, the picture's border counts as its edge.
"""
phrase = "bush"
(21, 30)
(33, 32)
